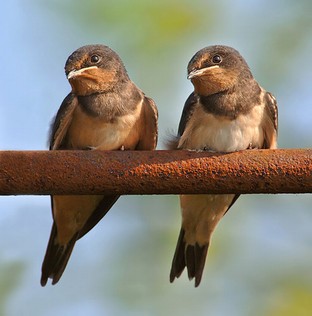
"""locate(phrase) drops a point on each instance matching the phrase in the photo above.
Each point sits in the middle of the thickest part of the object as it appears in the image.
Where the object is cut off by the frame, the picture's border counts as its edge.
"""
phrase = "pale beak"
(200, 72)
(75, 73)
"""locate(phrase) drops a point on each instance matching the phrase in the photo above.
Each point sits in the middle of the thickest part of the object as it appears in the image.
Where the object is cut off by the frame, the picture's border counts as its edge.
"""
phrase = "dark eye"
(216, 59)
(95, 59)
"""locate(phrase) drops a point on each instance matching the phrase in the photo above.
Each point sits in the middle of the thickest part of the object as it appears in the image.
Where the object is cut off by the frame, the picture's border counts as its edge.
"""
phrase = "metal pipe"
(155, 172)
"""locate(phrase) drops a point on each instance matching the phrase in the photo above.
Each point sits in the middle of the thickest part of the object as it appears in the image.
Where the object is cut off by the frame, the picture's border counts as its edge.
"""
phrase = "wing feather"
(61, 122)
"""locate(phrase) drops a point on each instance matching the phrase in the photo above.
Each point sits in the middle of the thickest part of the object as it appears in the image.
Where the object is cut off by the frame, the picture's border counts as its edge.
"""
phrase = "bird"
(228, 111)
(105, 110)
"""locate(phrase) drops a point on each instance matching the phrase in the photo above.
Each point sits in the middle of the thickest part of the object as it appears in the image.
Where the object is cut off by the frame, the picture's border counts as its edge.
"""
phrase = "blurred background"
(259, 262)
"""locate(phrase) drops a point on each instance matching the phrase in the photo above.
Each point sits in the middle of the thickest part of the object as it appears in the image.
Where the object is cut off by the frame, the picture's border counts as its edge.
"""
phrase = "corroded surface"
(157, 172)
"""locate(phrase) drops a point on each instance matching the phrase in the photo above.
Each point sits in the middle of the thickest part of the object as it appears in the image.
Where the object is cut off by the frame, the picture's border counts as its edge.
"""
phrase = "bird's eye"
(216, 59)
(95, 59)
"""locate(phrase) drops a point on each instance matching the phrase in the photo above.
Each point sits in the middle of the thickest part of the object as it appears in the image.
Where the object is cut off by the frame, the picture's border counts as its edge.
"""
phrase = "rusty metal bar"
(157, 172)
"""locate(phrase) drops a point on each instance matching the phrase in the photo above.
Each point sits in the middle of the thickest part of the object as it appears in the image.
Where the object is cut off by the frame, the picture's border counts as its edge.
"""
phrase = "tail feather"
(56, 258)
(193, 257)
(178, 262)
(200, 254)
(190, 261)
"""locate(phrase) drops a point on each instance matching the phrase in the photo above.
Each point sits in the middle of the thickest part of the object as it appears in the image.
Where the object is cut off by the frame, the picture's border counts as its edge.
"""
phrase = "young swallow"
(104, 111)
(228, 111)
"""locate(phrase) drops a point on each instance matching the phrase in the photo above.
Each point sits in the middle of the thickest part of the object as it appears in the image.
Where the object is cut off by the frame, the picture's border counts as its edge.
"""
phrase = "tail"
(56, 258)
(192, 257)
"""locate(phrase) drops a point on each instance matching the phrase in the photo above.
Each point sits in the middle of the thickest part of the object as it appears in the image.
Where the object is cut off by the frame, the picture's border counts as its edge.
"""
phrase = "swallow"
(227, 111)
(105, 110)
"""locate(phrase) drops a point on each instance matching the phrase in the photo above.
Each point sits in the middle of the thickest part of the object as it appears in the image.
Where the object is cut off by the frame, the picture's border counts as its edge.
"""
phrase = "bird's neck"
(232, 102)
(113, 103)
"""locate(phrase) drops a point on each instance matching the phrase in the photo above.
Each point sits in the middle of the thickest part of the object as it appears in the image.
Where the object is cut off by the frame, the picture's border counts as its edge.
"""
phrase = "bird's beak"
(75, 73)
(200, 72)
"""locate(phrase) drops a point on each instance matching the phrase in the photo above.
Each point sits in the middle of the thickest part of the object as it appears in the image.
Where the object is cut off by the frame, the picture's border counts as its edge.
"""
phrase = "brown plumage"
(104, 111)
(228, 111)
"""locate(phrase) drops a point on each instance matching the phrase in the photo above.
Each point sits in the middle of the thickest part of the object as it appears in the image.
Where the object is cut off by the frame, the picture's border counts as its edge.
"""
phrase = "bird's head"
(217, 68)
(94, 68)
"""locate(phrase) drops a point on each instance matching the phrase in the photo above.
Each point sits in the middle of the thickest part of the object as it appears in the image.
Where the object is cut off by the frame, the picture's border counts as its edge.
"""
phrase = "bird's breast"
(97, 133)
(218, 133)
